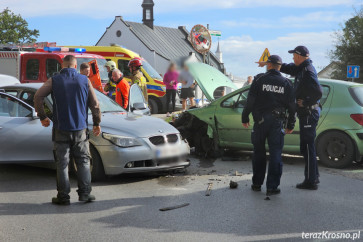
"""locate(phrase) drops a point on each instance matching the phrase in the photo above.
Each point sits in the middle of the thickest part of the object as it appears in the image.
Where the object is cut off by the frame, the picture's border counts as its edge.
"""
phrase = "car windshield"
(100, 62)
(357, 94)
(150, 70)
(107, 105)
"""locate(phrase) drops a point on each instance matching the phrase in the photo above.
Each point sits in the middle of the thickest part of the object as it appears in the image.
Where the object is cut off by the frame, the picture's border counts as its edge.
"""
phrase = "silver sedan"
(130, 142)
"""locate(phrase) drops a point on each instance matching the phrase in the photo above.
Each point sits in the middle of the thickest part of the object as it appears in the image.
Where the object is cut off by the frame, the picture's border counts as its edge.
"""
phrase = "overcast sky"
(248, 26)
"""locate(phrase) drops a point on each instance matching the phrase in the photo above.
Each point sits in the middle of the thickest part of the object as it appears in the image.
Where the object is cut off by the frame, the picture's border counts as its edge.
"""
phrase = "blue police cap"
(300, 50)
(275, 59)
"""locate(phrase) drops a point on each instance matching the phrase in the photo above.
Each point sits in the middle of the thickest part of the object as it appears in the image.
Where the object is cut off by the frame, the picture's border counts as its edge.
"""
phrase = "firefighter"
(137, 76)
(122, 88)
(110, 87)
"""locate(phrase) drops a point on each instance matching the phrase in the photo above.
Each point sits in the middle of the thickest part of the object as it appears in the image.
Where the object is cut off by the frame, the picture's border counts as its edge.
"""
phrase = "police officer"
(72, 95)
(110, 87)
(269, 97)
(307, 93)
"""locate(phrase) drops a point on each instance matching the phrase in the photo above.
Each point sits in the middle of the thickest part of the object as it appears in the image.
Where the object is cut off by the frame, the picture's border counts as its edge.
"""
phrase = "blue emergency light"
(65, 49)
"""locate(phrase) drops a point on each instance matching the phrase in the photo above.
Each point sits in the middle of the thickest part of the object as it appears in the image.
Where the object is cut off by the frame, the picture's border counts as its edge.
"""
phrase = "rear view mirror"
(139, 106)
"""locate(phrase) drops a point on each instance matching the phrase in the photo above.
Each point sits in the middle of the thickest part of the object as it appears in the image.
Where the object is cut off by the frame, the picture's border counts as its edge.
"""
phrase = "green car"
(217, 126)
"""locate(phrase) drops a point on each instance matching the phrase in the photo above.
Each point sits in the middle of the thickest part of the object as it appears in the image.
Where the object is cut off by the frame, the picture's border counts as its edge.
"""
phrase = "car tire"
(97, 171)
(335, 149)
(153, 106)
(96, 166)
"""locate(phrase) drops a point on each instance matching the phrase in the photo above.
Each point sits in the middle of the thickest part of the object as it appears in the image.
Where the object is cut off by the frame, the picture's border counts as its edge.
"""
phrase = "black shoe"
(56, 200)
(86, 198)
(256, 188)
(307, 185)
(271, 192)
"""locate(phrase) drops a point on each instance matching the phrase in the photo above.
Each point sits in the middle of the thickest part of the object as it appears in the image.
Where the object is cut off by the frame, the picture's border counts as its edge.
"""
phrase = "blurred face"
(86, 71)
(173, 68)
(108, 68)
(249, 79)
(116, 76)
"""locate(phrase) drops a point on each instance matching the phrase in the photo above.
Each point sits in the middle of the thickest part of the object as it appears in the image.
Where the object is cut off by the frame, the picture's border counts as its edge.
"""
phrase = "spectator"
(171, 82)
(249, 81)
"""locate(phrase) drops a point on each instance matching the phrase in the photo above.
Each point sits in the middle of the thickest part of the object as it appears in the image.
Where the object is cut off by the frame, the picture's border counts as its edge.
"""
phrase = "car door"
(229, 122)
(22, 138)
(137, 102)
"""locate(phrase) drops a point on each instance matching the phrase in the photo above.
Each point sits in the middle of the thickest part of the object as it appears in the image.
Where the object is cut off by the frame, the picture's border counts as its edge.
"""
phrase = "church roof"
(170, 43)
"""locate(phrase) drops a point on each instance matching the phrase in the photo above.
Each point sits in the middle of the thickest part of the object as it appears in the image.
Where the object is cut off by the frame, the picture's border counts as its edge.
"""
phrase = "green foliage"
(14, 29)
(349, 47)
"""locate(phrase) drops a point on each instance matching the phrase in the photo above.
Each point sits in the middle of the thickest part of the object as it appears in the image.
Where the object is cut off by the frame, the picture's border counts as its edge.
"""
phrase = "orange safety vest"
(94, 76)
(122, 93)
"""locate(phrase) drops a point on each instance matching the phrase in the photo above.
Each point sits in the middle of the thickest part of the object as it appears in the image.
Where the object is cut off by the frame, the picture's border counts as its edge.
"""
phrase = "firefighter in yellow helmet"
(110, 86)
(137, 76)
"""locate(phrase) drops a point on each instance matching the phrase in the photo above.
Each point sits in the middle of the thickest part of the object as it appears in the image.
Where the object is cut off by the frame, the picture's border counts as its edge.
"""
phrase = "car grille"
(172, 138)
(157, 140)
(160, 140)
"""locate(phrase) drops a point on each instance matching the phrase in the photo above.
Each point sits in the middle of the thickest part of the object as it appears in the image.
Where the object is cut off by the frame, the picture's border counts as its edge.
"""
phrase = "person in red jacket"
(122, 88)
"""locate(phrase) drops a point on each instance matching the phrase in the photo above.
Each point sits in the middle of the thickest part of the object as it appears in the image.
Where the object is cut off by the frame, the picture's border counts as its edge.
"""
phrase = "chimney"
(148, 13)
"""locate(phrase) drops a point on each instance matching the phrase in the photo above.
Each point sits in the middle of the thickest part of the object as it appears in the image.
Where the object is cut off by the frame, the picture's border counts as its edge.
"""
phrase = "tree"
(349, 47)
(14, 29)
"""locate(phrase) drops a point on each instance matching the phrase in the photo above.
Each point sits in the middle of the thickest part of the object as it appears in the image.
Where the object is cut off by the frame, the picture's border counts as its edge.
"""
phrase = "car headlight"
(121, 141)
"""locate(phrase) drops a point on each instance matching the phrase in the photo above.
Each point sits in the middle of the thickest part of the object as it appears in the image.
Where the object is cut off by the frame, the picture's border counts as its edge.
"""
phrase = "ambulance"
(121, 56)
(40, 61)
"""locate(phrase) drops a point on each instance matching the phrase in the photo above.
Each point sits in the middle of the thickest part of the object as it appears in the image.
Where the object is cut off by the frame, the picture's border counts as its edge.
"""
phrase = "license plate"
(166, 152)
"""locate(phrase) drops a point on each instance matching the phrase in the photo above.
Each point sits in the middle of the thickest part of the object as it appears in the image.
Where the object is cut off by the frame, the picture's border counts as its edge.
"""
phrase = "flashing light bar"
(65, 49)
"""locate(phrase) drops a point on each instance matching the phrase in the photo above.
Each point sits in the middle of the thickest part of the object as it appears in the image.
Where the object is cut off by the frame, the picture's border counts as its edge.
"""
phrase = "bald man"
(72, 95)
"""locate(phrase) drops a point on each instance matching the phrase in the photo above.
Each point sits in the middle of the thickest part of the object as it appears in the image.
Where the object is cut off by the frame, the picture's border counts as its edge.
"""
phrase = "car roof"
(22, 86)
(339, 83)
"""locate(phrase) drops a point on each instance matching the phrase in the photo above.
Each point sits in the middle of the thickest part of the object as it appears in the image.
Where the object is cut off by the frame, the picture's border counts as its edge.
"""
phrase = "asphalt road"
(127, 207)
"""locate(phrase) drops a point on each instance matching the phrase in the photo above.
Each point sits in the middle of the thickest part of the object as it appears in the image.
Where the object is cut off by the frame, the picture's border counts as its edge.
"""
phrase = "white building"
(158, 45)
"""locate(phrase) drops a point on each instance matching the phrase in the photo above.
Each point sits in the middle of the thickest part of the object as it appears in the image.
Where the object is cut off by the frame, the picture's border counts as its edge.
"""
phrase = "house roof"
(170, 43)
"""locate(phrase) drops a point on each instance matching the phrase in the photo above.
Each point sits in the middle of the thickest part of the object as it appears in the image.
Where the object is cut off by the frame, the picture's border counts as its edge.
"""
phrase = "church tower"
(219, 54)
(148, 13)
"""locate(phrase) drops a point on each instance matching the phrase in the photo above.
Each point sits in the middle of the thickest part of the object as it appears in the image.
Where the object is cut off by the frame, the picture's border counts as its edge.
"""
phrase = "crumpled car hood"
(209, 78)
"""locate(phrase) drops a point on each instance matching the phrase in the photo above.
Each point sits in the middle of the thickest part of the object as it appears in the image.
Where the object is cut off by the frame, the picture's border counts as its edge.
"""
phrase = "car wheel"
(96, 166)
(335, 149)
(153, 106)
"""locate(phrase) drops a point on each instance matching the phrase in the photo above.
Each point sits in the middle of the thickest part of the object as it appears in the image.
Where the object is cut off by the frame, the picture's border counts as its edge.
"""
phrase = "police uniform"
(269, 97)
(308, 89)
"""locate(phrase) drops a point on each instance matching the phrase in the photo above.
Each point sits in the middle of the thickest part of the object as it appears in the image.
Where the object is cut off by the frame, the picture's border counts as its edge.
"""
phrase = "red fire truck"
(36, 63)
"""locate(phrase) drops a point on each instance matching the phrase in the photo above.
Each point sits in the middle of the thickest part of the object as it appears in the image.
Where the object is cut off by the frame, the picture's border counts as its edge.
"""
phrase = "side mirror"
(139, 106)
(34, 114)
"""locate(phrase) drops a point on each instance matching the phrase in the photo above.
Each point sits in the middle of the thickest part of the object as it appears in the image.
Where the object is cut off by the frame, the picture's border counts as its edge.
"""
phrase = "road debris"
(213, 179)
(209, 189)
(174, 207)
(233, 184)
(267, 198)
(238, 174)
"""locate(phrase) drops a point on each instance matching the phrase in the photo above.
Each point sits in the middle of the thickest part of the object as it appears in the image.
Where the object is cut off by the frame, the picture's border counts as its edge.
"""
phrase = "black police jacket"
(306, 85)
(270, 91)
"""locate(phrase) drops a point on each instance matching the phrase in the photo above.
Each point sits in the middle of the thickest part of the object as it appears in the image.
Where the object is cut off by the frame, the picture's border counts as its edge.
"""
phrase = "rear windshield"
(357, 94)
